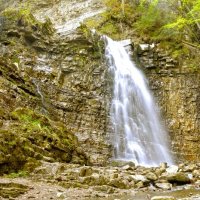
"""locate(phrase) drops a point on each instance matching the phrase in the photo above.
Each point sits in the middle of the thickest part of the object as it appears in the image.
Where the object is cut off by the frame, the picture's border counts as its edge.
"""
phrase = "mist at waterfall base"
(138, 134)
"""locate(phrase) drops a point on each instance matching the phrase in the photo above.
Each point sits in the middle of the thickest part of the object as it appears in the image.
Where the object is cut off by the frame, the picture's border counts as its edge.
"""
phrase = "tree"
(187, 18)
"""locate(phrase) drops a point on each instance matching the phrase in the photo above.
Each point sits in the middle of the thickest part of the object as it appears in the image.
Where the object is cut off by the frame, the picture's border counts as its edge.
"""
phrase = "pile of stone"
(127, 176)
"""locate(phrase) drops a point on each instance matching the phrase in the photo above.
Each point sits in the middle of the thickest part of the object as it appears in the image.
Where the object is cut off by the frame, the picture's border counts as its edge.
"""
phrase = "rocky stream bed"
(122, 181)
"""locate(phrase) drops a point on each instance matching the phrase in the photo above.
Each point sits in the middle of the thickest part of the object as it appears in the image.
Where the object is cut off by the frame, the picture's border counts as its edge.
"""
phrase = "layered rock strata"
(177, 91)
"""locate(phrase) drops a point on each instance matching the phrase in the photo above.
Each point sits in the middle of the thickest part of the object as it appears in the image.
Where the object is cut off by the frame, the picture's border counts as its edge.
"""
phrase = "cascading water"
(36, 83)
(139, 135)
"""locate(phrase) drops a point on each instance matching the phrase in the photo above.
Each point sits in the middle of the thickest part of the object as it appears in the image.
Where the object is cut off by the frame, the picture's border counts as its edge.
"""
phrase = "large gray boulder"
(179, 178)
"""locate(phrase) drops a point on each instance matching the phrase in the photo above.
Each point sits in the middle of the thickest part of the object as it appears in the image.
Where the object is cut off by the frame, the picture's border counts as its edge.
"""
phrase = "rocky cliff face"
(62, 74)
(177, 91)
(29, 87)
(79, 97)
(62, 77)
(178, 96)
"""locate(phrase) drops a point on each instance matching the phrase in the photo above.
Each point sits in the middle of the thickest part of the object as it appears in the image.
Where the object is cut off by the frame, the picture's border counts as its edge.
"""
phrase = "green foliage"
(112, 22)
(114, 6)
(150, 20)
(20, 14)
(32, 137)
(110, 29)
(175, 25)
(186, 19)
(23, 17)
(17, 174)
(35, 123)
(28, 116)
(178, 24)
(159, 19)
(103, 26)
(119, 10)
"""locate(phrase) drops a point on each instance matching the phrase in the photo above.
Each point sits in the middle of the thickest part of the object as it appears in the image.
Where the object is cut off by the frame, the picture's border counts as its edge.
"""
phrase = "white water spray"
(139, 135)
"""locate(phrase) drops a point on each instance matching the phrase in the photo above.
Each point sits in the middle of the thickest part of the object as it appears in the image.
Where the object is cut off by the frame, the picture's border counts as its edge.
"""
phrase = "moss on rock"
(12, 190)
(24, 18)
(31, 137)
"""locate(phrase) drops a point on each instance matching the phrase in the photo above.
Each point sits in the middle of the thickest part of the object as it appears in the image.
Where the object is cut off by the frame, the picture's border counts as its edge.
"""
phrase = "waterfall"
(138, 133)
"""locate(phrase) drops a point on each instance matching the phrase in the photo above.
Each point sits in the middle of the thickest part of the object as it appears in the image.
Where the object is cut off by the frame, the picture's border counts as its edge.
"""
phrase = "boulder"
(128, 167)
(105, 189)
(138, 178)
(140, 184)
(189, 168)
(163, 165)
(141, 48)
(164, 186)
(98, 179)
(119, 183)
(151, 176)
(172, 169)
(179, 178)
(196, 173)
(159, 171)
